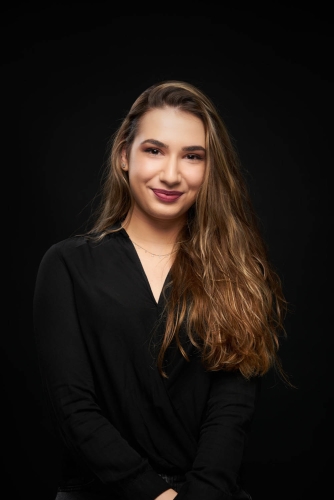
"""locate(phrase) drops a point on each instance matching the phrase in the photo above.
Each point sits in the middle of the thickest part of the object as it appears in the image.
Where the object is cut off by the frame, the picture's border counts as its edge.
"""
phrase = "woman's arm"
(222, 438)
(69, 383)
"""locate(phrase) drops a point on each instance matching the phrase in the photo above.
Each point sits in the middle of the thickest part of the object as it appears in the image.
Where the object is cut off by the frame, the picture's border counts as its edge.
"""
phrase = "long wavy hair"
(223, 287)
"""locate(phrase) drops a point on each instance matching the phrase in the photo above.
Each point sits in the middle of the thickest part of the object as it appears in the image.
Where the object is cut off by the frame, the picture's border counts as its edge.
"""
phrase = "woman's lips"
(166, 195)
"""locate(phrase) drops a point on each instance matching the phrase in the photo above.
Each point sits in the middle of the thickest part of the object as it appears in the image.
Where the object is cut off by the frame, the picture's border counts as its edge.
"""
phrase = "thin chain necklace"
(153, 254)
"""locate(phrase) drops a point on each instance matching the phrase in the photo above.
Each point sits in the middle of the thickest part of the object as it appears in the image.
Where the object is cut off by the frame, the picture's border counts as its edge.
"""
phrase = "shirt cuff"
(145, 486)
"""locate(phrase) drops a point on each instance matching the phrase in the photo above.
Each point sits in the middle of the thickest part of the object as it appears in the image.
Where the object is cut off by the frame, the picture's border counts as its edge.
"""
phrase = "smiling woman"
(166, 171)
(154, 328)
(165, 174)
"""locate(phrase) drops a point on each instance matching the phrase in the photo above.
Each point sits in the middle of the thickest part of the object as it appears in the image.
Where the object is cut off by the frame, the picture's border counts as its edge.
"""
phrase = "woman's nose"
(170, 172)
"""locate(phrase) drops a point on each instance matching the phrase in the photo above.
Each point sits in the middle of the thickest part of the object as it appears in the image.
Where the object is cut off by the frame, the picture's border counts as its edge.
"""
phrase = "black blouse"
(120, 423)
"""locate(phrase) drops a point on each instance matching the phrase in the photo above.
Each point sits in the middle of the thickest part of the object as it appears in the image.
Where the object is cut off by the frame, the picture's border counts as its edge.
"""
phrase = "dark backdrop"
(70, 73)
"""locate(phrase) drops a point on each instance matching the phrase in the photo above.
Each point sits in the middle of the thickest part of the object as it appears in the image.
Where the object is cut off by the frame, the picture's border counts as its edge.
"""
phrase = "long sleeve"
(222, 439)
(69, 379)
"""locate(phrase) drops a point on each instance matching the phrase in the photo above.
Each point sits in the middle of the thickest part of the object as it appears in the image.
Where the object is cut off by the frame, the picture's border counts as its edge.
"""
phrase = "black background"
(70, 73)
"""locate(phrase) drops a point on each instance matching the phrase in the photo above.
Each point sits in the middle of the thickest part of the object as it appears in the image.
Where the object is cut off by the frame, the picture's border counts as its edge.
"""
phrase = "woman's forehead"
(171, 125)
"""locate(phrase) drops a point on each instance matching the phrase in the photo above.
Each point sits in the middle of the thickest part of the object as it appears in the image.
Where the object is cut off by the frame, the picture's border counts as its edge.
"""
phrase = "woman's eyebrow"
(162, 145)
(194, 148)
(155, 142)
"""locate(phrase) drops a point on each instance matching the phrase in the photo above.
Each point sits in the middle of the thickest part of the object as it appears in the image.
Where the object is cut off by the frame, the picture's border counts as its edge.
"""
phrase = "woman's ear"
(124, 161)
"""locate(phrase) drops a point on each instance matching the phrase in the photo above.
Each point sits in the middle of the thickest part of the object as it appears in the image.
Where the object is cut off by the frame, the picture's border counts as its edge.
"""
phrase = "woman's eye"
(152, 151)
(194, 157)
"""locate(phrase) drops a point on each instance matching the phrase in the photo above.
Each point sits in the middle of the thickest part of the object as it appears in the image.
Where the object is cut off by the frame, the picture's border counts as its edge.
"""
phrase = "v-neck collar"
(161, 299)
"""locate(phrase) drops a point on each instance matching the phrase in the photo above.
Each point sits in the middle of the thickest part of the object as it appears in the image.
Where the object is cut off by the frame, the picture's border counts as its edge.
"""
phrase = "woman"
(155, 328)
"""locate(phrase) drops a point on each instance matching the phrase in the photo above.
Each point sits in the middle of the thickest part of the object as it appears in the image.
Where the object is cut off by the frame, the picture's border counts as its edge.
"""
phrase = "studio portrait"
(172, 255)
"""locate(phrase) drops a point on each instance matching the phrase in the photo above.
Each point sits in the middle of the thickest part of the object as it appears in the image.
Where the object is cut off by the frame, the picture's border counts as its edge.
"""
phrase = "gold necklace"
(153, 254)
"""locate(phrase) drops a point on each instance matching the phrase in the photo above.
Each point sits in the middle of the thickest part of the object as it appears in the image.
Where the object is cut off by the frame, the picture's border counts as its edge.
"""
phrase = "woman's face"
(166, 164)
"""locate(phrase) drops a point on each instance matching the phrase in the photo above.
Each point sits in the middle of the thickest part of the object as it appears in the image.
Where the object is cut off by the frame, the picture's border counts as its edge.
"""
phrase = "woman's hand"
(167, 495)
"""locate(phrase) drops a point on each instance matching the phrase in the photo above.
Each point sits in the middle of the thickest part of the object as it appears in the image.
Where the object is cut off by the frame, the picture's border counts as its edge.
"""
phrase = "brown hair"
(224, 288)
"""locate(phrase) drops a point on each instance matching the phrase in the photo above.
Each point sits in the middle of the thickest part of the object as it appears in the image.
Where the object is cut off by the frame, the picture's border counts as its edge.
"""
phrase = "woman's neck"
(159, 235)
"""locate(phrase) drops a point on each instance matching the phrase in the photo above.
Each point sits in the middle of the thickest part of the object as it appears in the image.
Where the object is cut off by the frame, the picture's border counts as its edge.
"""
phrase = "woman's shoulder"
(59, 252)
(79, 243)
(67, 245)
